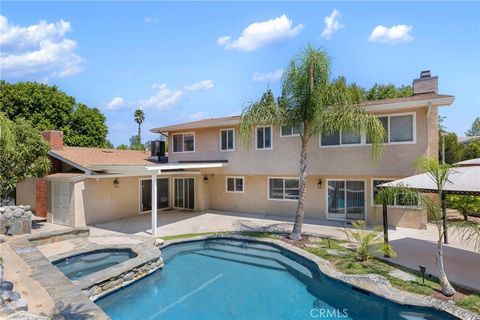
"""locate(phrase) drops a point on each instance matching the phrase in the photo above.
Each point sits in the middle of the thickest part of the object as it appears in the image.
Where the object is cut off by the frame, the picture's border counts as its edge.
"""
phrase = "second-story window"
(263, 138)
(184, 142)
(227, 139)
(340, 138)
(291, 131)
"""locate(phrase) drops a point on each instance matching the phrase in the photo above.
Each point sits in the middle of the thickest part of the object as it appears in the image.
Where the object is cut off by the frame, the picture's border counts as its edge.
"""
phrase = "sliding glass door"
(146, 194)
(184, 193)
(346, 200)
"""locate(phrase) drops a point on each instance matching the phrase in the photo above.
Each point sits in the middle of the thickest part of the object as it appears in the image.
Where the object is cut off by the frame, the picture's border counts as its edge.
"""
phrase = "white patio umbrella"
(464, 178)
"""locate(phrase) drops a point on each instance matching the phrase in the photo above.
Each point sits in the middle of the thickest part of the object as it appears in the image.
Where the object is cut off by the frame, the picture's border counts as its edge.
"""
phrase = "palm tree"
(139, 117)
(439, 174)
(316, 103)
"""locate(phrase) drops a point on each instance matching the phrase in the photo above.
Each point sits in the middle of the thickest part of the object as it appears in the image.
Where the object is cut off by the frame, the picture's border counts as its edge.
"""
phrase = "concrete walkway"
(414, 247)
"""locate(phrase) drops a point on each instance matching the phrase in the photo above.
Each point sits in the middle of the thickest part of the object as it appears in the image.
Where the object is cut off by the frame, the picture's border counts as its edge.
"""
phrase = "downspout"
(428, 127)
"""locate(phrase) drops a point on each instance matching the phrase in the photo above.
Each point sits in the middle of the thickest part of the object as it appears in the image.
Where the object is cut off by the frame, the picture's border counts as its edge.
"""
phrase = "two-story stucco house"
(210, 168)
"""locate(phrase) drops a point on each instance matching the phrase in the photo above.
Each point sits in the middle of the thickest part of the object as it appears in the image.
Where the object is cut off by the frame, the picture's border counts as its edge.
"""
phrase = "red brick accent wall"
(54, 138)
(41, 197)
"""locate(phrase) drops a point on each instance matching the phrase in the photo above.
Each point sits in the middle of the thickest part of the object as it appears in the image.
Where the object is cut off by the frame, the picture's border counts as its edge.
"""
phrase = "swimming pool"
(80, 265)
(231, 279)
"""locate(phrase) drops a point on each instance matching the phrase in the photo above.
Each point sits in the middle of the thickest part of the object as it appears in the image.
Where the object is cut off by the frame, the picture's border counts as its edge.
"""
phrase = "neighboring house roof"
(84, 158)
(419, 100)
(467, 140)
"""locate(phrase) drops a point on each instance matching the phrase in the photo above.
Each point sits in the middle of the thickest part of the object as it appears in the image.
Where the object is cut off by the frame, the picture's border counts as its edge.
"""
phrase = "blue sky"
(186, 61)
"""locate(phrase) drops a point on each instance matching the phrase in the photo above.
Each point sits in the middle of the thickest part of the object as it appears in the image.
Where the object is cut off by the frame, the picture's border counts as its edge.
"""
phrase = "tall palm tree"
(319, 105)
(139, 117)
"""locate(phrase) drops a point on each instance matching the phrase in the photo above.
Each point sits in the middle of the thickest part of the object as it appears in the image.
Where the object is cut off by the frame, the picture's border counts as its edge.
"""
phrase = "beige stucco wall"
(25, 193)
(255, 199)
(396, 159)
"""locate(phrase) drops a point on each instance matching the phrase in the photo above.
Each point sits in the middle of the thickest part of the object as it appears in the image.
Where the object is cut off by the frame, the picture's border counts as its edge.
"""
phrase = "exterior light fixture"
(205, 179)
(116, 183)
(319, 183)
(422, 271)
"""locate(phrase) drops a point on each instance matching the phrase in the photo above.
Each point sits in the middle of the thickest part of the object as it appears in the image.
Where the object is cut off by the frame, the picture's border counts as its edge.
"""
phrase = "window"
(399, 128)
(283, 189)
(346, 199)
(184, 142)
(227, 139)
(235, 184)
(340, 138)
(146, 194)
(291, 131)
(263, 137)
(399, 200)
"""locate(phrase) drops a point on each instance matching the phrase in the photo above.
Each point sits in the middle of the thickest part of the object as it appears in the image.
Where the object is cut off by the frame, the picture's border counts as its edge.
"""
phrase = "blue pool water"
(227, 279)
(80, 265)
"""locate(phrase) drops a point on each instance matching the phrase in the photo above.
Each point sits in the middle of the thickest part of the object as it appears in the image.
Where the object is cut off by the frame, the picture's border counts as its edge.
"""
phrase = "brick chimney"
(54, 139)
(425, 84)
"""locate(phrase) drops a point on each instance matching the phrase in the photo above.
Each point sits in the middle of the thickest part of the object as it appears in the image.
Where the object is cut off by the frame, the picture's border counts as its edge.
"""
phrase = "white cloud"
(116, 103)
(261, 34)
(40, 50)
(395, 34)
(268, 76)
(332, 24)
(202, 85)
(165, 98)
(150, 20)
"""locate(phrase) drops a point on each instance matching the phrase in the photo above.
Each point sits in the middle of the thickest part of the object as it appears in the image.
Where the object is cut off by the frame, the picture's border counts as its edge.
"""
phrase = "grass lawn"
(349, 265)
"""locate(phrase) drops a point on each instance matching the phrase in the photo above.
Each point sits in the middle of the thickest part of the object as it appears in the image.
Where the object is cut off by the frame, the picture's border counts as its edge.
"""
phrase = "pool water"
(78, 266)
(229, 279)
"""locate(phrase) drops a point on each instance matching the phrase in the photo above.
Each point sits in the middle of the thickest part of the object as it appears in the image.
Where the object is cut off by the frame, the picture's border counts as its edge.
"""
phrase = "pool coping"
(373, 283)
(68, 298)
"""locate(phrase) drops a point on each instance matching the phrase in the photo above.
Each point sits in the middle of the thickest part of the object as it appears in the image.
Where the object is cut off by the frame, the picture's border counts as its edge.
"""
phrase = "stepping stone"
(335, 252)
(399, 274)
(314, 245)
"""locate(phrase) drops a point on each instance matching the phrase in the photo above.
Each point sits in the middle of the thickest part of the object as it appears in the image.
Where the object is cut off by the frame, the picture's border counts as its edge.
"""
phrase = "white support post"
(154, 205)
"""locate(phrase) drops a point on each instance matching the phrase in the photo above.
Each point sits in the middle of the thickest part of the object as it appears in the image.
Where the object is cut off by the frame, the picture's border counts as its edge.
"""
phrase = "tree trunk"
(296, 233)
(447, 288)
(139, 134)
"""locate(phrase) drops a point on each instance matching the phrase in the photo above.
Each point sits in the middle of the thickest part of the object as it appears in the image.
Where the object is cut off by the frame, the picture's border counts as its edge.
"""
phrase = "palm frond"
(263, 112)
(468, 232)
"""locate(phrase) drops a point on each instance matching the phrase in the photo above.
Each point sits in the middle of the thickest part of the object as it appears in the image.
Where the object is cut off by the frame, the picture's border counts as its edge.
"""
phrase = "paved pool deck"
(413, 247)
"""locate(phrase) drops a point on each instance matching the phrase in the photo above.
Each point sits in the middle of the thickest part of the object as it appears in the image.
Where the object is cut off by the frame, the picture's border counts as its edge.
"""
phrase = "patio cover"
(464, 178)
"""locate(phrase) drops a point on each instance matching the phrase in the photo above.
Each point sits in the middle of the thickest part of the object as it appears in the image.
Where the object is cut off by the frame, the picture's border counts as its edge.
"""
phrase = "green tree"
(7, 138)
(453, 148)
(475, 129)
(88, 127)
(27, 159)
(49, 108)
(135, 143)
(465, 204)
(471, 150)
(311, 99)
(122, 146)
(139, 117)
(109, 145)
(388, 91)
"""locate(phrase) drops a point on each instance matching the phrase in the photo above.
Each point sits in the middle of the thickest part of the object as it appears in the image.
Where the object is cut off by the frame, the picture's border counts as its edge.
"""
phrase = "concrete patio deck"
(414, 247)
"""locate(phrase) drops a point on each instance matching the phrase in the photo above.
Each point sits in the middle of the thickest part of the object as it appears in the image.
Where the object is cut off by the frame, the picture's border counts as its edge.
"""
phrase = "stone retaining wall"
(15, 220)
(102, 288)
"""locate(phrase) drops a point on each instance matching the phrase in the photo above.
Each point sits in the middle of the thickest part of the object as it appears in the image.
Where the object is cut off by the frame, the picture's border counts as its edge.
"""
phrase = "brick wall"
(41, 196)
